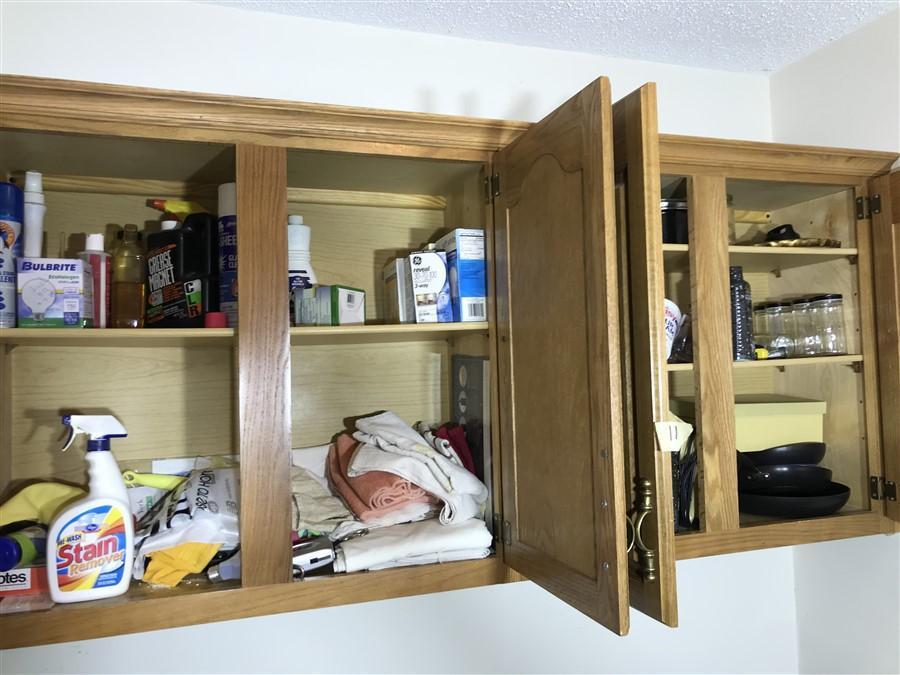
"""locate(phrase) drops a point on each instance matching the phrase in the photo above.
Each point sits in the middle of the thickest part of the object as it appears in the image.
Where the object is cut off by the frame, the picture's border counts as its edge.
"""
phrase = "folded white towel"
(313, 460)
(412, 539)
(389, 444)
(432, 558)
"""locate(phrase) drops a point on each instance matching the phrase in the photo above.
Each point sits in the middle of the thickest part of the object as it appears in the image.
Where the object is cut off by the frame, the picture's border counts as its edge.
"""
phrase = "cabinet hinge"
(491, 188)
(866, 206)
(507, 533)
(881, 489)
(874, 204)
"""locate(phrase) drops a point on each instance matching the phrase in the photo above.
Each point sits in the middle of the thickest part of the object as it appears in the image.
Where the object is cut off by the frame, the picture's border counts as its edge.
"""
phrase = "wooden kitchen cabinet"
(576, 273)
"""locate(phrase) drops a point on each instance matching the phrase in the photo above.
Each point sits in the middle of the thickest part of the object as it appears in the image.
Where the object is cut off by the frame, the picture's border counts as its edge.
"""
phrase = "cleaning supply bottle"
(12, 208)
(180, 287)
(22, 547)
(7, 286)
(228, 262)
(94, 255)
(128, 281)
(91, 541)
(33, 231)
(300, 270)
(176, 207)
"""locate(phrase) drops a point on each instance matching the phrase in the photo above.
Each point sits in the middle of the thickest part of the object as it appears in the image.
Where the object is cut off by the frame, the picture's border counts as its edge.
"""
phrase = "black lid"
(827, 296)
(781, 303)
(761, 305)
(800, 301)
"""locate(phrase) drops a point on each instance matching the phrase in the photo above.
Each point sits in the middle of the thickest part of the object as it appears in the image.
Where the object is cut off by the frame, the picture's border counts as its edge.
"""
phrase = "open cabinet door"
(561, 449)
(652, 568)
(885, 190)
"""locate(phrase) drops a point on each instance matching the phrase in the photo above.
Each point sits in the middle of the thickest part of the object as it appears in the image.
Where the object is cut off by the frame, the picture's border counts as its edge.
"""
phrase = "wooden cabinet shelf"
(115, 337)
(313, 335)
(842, 359)
(762, 258)
(186, 337)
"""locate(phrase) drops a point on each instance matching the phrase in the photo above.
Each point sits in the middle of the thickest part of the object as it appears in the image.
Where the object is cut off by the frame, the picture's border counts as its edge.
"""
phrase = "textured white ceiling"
(738, 35)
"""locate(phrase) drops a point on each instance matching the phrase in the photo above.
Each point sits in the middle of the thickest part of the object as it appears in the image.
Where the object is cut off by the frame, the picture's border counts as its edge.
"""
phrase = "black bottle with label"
(182, 284)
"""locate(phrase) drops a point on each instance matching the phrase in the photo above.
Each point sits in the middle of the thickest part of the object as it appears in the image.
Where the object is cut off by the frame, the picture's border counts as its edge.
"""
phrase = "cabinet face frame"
(711, 160)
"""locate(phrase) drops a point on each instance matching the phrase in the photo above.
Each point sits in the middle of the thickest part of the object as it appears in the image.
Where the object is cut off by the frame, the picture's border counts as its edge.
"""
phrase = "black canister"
(674, 221)
(741, 316)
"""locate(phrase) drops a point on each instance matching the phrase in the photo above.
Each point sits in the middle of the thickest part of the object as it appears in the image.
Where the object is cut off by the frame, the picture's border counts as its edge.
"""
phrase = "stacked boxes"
(445, 282)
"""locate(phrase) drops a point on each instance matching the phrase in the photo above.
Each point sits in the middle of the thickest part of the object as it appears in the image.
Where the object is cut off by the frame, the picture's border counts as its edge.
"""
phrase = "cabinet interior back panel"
(73, 215)
(350, 245)
(333, 383)
(174, 402)
(844, 430)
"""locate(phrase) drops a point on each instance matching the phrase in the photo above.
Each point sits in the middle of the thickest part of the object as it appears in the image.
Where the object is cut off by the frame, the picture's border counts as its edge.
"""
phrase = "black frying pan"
(829, 501)
(783, 478)
(809, 452)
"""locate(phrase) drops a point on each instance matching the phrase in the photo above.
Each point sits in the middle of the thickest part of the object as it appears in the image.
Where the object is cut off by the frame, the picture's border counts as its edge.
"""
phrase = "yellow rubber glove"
(169, 566)
(162, 481)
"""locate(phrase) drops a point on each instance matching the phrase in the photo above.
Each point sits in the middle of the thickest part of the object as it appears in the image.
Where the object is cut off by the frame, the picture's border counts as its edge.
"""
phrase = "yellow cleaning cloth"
(171, 565)
(38, 502)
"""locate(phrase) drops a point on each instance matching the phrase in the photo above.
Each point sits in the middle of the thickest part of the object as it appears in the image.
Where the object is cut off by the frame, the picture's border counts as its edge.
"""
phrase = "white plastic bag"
(204, 509)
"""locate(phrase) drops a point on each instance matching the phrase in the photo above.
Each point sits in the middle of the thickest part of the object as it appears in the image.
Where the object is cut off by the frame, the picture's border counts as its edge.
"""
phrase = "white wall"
(848, 605)
(727, 624)
(846, 94)
(206, 48)
(848, 592)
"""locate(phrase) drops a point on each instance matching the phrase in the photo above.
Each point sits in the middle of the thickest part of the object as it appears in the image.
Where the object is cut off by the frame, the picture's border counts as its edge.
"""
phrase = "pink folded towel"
(373, 494)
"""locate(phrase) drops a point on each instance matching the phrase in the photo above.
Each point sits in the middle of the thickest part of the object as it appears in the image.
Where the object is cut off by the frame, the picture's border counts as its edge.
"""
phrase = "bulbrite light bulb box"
(465, 263)
(430, 286)
(54, 293)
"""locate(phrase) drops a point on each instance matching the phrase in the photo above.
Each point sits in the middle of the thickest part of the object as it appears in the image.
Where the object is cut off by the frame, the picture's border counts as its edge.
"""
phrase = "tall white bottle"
(90, 545)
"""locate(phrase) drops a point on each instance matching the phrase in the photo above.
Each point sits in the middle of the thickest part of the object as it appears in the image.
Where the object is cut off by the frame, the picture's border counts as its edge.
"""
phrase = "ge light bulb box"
(54, 293)
(430, 286)
(465, 265)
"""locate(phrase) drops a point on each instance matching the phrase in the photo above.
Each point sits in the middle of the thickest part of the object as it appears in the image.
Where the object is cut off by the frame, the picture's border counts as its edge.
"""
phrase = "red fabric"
(457, 437)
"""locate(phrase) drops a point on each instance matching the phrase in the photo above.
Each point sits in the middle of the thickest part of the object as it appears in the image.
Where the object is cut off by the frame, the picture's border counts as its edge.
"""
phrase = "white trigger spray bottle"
(90, 546)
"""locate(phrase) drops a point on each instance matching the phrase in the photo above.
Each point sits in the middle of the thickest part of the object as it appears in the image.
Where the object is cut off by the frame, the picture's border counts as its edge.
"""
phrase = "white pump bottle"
(90, 545)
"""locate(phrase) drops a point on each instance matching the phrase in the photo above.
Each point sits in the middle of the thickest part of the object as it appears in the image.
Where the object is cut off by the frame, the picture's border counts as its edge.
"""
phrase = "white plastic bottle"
(90, 545)
(94, 255)
(300, 270)
(34, 214)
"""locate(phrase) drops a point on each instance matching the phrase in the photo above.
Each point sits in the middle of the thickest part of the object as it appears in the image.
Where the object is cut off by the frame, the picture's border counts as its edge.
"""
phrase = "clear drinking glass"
(828, 313)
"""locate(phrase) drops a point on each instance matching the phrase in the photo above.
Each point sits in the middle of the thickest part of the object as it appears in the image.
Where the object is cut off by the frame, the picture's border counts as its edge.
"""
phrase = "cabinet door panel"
(886, 261)
(558, 359)
(637, 170)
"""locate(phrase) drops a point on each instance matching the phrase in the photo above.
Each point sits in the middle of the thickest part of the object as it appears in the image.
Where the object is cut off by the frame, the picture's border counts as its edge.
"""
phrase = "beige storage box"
(765, 420)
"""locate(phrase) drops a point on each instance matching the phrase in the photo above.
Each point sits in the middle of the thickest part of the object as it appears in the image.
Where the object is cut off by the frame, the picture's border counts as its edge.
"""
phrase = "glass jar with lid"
(806, 337)
(828, 315)
(761, 324)
(781, 335)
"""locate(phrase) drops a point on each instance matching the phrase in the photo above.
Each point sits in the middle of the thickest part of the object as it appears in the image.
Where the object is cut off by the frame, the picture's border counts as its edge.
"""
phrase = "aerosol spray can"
(7, 286)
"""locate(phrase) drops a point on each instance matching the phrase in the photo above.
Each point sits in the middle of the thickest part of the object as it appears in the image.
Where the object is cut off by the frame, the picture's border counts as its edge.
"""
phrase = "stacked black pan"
(787, 482)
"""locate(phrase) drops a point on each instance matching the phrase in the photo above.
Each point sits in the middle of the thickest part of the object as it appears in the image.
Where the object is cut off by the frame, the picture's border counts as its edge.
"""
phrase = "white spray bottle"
(90, 545)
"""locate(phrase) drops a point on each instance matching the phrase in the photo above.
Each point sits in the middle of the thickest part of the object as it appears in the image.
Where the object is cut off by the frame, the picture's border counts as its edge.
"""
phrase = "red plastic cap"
(215, 320)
